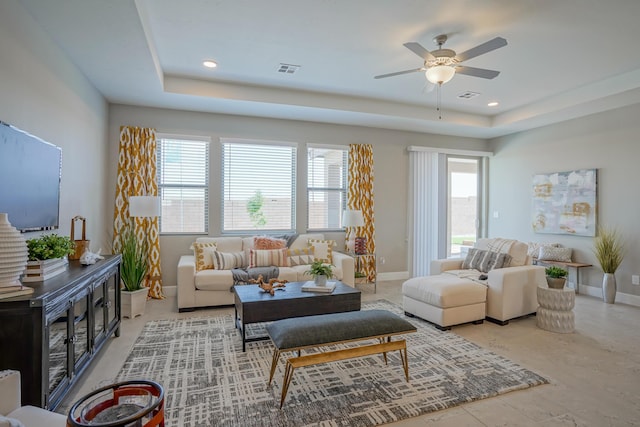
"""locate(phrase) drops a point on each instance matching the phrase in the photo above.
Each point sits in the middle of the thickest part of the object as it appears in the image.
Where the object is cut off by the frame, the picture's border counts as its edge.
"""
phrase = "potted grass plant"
(133, 270)
(608, 247)
(556, 277)
(320, 272)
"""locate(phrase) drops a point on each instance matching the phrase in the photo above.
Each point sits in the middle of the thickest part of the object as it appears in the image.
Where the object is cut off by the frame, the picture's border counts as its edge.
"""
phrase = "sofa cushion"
(485, 260)
(444, 290)
(224, 244)
(227, 260)
(202, 257)
(302, 241)
(323, 249)
(304, 256)
(214, 280)
(268, 258)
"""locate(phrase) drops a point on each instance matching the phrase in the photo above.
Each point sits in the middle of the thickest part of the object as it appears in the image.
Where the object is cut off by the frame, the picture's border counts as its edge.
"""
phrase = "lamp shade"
(144, 206)
(439, 74)
(352, 218)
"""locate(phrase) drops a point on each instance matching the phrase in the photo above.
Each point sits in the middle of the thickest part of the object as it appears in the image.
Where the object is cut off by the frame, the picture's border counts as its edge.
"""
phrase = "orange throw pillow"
(266, 243)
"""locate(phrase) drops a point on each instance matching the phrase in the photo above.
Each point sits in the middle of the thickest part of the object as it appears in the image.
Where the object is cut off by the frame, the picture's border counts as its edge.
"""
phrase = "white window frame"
(204, 186)
(260, 165)
(342, 190)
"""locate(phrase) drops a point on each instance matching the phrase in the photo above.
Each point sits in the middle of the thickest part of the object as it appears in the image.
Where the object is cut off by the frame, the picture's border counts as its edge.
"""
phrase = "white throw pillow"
(227, 260)
(269, 258)
(303, 256)
(203, 259)
(533, 248)
(323, 249)
(548, 253)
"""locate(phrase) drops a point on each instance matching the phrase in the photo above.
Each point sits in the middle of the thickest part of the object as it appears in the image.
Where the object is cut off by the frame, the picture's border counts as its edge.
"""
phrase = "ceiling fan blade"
(477, 72)
(483, 48)
(398, 73)
(417, 48)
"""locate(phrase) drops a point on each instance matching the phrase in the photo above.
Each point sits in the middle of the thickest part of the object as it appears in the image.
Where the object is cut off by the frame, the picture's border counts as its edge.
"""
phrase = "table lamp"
(352, 218)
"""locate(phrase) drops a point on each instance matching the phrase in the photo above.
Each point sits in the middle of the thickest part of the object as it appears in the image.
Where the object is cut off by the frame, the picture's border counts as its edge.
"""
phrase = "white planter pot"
(321, 280)
(133, 303)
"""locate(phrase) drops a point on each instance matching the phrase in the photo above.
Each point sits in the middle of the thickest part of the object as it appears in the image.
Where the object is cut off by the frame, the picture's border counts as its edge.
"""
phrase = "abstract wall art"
(565, 202)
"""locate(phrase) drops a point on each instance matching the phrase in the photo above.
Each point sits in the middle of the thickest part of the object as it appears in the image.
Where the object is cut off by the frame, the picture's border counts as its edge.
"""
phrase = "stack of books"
(14, 291)
(312, 287)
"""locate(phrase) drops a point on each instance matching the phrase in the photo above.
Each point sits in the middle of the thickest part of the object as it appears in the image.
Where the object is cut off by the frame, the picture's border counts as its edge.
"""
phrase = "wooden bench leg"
(274, 363)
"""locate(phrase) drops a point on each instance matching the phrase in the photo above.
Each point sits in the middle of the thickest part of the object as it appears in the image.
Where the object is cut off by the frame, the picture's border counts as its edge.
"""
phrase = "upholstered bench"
(300, 333)
(444, 300)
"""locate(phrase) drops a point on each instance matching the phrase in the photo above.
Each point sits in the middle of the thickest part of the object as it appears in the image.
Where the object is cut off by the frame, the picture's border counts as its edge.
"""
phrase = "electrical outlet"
(496, 214)
(635, 279)
(382, 260)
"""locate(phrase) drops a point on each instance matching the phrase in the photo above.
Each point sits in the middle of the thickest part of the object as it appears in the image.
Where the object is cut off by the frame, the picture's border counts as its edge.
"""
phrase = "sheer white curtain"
(427, 202)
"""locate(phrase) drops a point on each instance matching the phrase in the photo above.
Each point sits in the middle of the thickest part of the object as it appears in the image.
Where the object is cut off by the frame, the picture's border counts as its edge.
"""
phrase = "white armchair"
(511, 291)
(13, 414)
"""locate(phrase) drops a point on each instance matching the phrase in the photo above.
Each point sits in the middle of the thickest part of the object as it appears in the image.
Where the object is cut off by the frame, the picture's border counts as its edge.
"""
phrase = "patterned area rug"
(209, 381)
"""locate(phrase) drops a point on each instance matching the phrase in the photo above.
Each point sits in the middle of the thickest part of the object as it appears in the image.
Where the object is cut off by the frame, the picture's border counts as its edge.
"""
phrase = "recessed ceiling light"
(210, 63)
(492, 104)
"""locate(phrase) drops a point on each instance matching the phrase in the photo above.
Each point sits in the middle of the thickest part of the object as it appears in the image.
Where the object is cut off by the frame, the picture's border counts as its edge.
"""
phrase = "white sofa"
(209, 288)
(11, 408)
(451, 295)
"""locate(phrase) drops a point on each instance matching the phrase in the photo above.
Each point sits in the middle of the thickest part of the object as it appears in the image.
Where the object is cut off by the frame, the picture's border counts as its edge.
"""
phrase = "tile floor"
(594, 373)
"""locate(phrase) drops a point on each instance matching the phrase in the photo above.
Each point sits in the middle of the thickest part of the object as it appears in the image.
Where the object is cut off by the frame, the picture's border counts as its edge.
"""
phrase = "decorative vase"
(609, 288)
(13, 253)
(321, 280)
(556, 282)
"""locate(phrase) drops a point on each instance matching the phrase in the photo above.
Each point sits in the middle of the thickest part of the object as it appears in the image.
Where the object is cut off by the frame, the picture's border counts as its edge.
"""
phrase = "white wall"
(606, 141)
(44, 94)
(391, 168)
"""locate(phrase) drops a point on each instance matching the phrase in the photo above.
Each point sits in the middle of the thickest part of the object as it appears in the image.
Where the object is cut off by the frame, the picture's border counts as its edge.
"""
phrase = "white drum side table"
(555, 313)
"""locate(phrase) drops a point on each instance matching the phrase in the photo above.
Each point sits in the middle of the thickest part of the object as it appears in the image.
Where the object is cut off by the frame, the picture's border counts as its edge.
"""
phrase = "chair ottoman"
(444, 300)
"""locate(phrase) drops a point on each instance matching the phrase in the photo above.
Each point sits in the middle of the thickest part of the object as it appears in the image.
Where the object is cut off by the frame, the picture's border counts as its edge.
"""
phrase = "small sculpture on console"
(89, 258)
(269, 286)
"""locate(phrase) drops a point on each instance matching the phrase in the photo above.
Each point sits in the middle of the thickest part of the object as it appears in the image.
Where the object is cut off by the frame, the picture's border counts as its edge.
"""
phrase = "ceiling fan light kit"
(440, 74)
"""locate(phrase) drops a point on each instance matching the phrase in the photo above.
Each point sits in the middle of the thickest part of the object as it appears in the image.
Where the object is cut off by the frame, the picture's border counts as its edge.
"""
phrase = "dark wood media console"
(52, 335)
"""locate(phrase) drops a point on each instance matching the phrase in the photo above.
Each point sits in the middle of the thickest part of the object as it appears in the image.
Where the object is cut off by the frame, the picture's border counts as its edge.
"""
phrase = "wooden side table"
(555, 313)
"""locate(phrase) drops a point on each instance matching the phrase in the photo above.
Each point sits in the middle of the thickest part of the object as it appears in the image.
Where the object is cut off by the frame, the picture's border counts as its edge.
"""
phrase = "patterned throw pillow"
(534, 248)
(269, 257)
(227, 260)
(548, 253)
(303, 256)
(323, 249)
(203, 260)
(485, 260)
(266, 242)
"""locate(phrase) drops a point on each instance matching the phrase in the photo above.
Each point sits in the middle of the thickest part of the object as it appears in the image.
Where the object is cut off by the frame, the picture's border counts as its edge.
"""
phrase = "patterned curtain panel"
(360, 197)
(137, 177)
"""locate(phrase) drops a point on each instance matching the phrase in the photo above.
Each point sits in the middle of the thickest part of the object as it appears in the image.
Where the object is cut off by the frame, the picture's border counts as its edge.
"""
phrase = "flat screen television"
(30, 171)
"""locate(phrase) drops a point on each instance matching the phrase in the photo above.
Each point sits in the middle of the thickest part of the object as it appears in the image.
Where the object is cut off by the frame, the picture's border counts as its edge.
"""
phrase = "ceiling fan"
(442, 64)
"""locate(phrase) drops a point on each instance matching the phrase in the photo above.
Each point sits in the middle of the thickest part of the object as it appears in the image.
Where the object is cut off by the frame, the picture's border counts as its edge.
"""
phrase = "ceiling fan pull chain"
(438, 98)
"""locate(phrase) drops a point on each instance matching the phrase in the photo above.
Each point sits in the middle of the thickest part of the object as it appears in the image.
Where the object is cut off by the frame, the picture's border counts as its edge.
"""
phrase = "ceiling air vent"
(468, 95)
(288, 68)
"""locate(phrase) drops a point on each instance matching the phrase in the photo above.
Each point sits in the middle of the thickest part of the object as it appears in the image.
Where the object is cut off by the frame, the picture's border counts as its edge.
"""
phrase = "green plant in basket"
(320, 269)
(555, 272)
(133, 267)
(49, 246)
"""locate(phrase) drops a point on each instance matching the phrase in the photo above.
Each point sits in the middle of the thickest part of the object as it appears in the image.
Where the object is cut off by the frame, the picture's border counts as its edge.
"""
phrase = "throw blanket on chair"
(242, 275)
(500, 245)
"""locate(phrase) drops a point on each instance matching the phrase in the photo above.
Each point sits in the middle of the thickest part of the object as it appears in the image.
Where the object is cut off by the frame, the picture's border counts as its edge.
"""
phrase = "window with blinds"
(326, 187)
(183, 184)
(258, 186)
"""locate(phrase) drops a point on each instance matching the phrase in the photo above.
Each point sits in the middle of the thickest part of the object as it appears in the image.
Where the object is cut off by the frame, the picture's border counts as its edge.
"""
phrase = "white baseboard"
(393, 275)
(170, 291)
(593, 291)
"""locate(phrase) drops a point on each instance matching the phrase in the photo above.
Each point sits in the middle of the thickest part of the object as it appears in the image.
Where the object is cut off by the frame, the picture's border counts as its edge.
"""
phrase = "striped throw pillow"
(485, 260)
(304, 256)
(269, 257)
(227, 260)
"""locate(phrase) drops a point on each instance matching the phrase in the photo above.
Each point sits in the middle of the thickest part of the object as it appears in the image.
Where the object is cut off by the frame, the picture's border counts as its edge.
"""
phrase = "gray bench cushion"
(328, 328)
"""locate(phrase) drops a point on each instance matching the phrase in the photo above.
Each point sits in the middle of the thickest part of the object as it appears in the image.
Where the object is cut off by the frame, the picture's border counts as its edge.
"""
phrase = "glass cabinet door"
(100, 304)
(112, 295)
(80, 338)
(57, 335)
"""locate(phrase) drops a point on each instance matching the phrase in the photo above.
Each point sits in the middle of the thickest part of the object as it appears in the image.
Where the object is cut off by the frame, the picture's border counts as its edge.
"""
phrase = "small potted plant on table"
(556, 277)
(47, 257)
(320, 272)
(133, 270)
